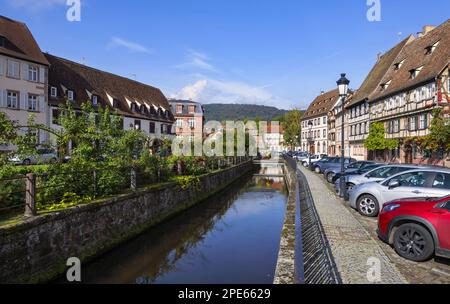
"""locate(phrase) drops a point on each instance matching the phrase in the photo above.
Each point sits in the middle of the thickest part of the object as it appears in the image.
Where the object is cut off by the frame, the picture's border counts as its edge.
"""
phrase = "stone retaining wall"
(37, 250)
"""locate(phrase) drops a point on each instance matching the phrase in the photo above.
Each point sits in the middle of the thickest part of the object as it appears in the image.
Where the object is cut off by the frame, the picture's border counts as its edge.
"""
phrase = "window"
(163, 129)
(191, 123)
(324, 120)
(55, 117)
(32, 102)
(423, 121)
(398, 65)
(442, 181)
(2, 41)
(382, 172)
(116, 104)
(94, 100)
(415, 72)
(70, 95)
(33, 73)
(53, 92)
(152, 128)
(324, 133)
(179, 123)
(414, 179)
(430, 49)
(13, 69)
(12, 100)
(413, 123)
(137, 124)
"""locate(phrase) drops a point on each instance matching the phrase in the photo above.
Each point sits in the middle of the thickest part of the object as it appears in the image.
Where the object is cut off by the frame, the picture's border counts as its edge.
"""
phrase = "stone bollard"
(30, 196)
(133, 179)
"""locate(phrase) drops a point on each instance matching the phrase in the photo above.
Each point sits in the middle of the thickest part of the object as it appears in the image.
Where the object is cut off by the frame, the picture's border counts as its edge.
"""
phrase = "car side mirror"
(394, 184)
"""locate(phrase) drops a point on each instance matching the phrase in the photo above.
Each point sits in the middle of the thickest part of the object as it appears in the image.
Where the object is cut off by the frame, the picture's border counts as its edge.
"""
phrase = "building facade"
(335, 128)
(358, 107)
(315, 139)
(189, 118)
(416, 84)
(23, 78)
(142, 107)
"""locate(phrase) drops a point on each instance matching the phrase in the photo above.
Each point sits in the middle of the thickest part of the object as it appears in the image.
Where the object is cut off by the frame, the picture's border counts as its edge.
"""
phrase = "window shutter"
(23, 101)
(417, 122)
(25, 71)
(42, 75)
(2, 99)
(42, 104)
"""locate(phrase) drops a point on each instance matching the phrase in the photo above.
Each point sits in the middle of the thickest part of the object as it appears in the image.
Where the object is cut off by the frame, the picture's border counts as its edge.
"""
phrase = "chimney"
(426, 30)
(322, 92)
(379, 55)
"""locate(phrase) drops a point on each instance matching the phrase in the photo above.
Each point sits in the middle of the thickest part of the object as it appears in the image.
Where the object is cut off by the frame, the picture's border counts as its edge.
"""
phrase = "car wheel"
(413, 242)
(317, 169)
(330, 177)
(26, 162)
(368, 206)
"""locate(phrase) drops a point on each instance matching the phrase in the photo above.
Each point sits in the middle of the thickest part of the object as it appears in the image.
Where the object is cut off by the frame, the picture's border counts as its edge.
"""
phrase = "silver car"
(369, 198)
(42, 156)
(377, 174)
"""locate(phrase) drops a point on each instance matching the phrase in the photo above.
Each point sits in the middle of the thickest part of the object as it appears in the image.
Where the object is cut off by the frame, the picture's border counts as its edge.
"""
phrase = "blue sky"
(280, 53)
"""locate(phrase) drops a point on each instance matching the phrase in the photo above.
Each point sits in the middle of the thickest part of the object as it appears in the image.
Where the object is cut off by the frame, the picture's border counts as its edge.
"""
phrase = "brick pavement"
(352, 246)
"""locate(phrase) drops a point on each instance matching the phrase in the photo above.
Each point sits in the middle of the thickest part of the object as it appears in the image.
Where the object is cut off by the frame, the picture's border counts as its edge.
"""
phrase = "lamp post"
(310, 125)
(343, 83)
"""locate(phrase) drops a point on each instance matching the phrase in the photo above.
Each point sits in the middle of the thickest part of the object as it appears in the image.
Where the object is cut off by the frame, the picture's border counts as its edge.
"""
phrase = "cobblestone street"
(354, 242)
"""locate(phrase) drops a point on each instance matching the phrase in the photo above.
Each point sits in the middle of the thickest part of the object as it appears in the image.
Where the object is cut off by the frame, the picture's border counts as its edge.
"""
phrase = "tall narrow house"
(23, 78)
(358, 107)
(416, 83)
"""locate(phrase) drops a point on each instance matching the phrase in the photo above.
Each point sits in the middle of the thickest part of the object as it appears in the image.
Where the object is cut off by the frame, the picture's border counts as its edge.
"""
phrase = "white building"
(315, 123)
(23, 78)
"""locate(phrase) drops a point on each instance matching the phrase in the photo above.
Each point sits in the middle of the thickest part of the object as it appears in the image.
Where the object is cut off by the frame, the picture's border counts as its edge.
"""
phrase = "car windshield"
(368, 168)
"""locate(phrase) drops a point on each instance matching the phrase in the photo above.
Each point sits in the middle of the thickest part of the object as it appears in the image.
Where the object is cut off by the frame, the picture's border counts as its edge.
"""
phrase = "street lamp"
(343, 83)
(310, 125)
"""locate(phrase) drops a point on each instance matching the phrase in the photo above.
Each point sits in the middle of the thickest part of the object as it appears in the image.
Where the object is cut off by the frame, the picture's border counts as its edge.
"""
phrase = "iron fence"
(35, 191)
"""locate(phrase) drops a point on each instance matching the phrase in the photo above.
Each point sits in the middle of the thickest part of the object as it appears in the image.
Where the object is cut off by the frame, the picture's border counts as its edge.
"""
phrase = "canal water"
(233, 237)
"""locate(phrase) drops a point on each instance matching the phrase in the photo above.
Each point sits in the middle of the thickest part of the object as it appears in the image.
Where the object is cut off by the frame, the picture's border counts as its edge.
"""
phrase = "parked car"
(331, 173)
(43, 156)
(301, 156)
(378, 174)
(320, 167)
(337, 177)
(417, 228)
(314, 159)
(369, 198)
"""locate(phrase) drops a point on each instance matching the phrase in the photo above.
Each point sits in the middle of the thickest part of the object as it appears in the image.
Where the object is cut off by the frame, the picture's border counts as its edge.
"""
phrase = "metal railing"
(314, 263)
(32, 190)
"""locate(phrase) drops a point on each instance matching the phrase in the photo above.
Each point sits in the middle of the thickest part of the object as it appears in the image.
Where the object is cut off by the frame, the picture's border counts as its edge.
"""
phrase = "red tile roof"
(19, 42)
(414, 55)
(68, 75)
(322, 104)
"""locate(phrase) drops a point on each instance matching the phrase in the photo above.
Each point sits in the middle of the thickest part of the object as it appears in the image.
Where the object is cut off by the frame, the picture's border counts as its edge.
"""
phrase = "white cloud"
(218, 91)
(197, 60)
(132, 47)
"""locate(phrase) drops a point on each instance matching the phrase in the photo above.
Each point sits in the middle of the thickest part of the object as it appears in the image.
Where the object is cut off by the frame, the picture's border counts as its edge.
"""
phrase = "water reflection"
(232, 238)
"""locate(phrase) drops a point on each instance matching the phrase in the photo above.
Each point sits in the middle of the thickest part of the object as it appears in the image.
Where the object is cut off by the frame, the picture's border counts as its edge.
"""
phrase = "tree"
(439, 137)
(292, 128)
(376, 140)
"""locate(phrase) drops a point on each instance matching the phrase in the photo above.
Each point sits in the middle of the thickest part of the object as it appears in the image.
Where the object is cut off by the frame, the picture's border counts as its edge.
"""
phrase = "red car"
(418, 228)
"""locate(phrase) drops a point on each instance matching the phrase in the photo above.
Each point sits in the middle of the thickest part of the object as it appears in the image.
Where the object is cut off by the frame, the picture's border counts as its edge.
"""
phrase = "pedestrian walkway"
(358, 257)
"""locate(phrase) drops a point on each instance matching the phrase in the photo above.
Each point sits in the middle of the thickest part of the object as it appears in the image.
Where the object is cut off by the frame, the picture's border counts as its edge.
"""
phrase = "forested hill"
(235, 112)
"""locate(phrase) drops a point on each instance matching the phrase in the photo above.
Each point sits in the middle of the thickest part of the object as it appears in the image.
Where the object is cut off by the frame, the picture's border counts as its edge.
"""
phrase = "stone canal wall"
(37, 250)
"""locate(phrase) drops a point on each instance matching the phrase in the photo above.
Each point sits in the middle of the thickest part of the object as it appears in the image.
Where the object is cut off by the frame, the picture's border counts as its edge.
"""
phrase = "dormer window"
(116, 104)
(398, 65)
(384, 86)
(415, 72)
(152, 110)
(134, 107)
(430, 49)
(2, 41)
(94, 100)
(143, 109)
(70, 95)
(54, 92)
